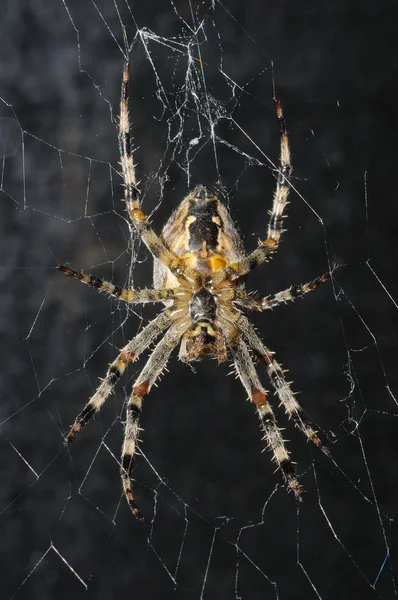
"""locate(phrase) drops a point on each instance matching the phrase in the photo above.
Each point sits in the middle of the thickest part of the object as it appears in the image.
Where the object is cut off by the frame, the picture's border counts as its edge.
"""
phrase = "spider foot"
(313, 435)
(297, 489)
(128, 492)
(292, 482)
(85, 416)
(134, 509)
(74, 430)
(68, 438)
(325, 450)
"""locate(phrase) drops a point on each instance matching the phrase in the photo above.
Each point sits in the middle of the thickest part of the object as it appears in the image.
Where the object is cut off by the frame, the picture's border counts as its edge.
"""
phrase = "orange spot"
(136, 213)
(270, 242)
(127, 357)
(258, 397)
(142, 389)
(217, 262)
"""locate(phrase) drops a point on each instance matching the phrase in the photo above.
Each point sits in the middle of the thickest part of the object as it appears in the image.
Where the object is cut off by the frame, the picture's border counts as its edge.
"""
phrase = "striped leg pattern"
(289, 295)
(131, 193)
(275, 225)
(272, 434)
(130, 296)
(153, 368)
(280, 385)
(128, 354)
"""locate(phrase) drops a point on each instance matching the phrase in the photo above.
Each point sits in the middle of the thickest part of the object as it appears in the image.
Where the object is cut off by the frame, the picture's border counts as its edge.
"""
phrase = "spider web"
(218, 522)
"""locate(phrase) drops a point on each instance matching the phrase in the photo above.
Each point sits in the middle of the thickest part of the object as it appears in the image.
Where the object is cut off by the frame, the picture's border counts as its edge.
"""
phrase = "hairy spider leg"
(289, 295)
(151, 371)
(130, 296)
(272, 434)
(276, 216)
(279, 383)
(128, 354)
(132, 197)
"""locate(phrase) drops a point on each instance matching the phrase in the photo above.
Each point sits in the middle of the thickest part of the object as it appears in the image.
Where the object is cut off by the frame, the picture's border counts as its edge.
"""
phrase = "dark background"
(218, 522)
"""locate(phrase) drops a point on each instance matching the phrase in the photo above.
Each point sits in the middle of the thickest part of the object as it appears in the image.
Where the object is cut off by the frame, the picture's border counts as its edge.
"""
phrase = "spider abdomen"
(202, 234)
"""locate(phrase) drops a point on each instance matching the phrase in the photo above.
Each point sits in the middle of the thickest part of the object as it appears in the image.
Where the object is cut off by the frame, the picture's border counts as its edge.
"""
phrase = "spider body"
(203, 235)
(200, 269)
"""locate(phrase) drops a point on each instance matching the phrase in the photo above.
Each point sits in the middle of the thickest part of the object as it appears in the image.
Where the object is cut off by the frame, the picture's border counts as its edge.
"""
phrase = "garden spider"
(199, 269)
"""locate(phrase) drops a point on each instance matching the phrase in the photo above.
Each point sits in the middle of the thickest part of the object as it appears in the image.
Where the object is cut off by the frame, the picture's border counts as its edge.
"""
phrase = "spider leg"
(289, 295)
(132, 196)
(272, 434)
(128, 354)
(129, 296)
(279, 383)
(275, 226)
(153, 368)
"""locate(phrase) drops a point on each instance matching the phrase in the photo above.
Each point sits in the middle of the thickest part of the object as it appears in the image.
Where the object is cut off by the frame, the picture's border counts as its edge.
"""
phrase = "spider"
(199, 275)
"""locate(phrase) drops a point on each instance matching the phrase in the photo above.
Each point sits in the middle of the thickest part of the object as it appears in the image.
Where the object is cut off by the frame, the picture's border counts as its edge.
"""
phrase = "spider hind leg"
(282, 387)
(116, 369)
(272, 433)
(150, 373)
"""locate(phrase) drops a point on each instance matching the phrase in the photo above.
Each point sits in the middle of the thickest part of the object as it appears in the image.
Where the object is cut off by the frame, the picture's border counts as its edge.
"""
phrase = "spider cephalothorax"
(203, 307)
(199, 275)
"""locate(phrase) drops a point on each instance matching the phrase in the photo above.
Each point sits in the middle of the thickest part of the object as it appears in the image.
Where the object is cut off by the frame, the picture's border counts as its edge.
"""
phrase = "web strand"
(218, 520)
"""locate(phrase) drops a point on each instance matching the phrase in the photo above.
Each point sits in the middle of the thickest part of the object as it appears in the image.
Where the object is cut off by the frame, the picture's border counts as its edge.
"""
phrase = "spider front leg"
(142, 386)
(279, 383)
(128, 354)
(275, 226)
(272, 434)
(132, 197)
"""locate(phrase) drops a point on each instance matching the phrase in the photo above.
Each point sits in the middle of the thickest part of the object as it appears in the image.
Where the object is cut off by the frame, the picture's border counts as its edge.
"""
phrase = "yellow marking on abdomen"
(217, 261)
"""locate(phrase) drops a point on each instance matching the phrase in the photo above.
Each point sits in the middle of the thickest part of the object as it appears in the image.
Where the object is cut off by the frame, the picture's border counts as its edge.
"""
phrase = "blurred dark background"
(218, 522)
